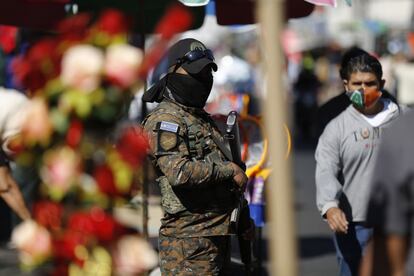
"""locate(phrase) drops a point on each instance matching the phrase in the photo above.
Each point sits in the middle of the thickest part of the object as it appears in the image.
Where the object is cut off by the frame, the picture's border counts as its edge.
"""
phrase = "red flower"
(74, 134)
(48, 214)
(177, 19)
(64, 246)
(112, 22)
(42, 50)
(106, 228)
(74, 28)
(39, 64)
(105, 179)
(82, 222)
(95, 224)
(8, 38)
(133, 145)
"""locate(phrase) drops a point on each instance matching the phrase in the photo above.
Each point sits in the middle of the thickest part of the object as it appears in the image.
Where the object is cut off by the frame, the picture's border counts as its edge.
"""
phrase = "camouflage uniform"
(195, 179)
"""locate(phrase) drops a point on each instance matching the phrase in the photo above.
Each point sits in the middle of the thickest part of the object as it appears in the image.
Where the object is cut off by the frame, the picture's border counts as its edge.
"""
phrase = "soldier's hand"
(239, 177)
(337, 220)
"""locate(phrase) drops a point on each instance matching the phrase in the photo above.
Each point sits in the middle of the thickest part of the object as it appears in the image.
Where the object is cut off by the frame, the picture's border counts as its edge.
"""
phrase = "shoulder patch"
(167, 126)
(167, 140)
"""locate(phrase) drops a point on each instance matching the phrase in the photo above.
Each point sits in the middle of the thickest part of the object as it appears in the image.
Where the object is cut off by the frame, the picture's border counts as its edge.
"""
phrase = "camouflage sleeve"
(172, 156)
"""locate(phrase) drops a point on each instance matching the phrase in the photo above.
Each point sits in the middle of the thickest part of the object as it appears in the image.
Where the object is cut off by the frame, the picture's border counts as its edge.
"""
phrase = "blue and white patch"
(167, 126)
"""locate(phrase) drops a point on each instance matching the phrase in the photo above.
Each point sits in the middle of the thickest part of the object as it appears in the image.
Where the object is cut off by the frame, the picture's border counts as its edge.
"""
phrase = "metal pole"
(139, 39)
(280, 208)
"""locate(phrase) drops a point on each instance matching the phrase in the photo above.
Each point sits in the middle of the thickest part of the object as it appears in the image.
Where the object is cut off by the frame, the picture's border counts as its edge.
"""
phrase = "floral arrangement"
(80, 82)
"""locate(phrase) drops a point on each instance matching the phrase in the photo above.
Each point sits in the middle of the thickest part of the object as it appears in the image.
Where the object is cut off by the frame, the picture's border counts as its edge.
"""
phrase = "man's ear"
(345, 83)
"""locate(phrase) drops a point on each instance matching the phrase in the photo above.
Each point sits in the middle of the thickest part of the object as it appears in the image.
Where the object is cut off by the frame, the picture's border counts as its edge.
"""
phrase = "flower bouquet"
(80, 82)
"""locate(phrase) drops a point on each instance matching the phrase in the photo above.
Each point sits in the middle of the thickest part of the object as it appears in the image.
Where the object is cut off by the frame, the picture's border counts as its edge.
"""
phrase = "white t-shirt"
(377, 119)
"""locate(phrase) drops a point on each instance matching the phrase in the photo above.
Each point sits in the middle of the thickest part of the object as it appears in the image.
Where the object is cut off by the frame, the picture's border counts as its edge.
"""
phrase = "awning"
(45, 14)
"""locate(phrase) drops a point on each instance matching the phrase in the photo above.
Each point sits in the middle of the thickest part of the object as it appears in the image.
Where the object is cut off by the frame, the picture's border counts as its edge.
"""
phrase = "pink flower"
(37, 126)
(33, 241)
(122, 64)
(81, 67)
(60, 171)
(133, 256)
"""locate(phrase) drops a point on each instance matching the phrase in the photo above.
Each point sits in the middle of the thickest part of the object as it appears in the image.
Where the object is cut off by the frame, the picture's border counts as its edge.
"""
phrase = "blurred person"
(306, 90)
(198, 185)
(12, 105)
(390, 209)
(345, 156)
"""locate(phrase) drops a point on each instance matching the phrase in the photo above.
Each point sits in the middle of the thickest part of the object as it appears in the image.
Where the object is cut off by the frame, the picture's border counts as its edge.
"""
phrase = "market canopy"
(46, 14)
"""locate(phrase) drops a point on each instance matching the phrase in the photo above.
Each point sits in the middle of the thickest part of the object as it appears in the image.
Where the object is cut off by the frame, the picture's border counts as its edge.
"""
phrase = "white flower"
(133, 255)
(33, 241)
(81, 67)
(37, 126)
(122, 64)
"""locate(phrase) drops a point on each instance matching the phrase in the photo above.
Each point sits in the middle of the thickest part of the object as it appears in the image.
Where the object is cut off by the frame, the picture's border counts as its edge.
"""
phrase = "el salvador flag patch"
(167, 126)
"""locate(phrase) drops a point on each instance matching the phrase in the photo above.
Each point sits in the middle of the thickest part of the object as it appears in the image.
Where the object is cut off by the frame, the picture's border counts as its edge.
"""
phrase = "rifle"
(240, 218)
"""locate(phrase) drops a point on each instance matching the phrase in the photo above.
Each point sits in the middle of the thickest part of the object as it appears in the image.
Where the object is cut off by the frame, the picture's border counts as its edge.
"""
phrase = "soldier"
(199, 186)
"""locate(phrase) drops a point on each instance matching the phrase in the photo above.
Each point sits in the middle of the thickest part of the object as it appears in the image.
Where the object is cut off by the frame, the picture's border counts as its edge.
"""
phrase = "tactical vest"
(198, 135)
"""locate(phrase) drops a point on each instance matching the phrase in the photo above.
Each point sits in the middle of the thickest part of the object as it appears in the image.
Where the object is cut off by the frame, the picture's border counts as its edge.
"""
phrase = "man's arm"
(10, 192)
(328, 188)
(170, 150)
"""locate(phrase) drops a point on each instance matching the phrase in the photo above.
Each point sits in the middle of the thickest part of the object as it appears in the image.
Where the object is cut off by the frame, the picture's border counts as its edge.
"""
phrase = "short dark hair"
(363, 63)
(347, 56)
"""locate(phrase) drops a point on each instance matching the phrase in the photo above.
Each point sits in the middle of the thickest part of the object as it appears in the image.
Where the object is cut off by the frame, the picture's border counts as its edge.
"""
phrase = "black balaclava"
(190, 90)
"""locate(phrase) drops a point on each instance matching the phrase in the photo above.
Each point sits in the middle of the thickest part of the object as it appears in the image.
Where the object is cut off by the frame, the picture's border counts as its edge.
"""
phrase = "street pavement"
(316, 251)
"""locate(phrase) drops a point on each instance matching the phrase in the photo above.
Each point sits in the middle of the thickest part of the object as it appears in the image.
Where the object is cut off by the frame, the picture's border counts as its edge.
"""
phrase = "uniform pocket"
(169, 201)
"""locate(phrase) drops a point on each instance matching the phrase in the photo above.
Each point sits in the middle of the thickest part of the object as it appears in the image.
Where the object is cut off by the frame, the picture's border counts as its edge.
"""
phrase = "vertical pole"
(145, 192)
(280, 208)
(139, 39)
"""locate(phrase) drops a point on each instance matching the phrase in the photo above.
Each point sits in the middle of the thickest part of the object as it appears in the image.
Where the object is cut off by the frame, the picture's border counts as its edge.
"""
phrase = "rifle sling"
(222, 147)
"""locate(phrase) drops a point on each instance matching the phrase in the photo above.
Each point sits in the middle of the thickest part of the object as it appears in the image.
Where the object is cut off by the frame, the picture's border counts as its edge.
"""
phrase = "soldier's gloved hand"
(239, 177)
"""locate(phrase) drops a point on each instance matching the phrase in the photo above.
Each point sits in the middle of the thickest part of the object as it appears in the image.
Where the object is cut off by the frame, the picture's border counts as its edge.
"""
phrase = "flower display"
(81, 81)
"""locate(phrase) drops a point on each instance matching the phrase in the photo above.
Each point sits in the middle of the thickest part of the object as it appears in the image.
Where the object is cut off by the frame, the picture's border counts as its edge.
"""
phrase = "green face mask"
(356, 97)
(364, 98)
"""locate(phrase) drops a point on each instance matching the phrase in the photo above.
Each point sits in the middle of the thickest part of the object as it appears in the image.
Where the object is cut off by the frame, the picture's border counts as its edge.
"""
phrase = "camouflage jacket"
(193, 174)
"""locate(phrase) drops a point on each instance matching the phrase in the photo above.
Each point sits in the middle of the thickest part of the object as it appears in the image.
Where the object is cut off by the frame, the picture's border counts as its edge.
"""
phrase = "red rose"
(48, 214)
(177, 19)
(112, 22)
(74, 28)
(105, 179)
(82, 222)
(106, 228)
(74, 133)
(64, 246)
(39, 64)
(133, 145)
(8, 38)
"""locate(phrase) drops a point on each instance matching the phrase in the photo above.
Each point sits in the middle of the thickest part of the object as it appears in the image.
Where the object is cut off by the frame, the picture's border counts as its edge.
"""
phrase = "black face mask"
(191, 91)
